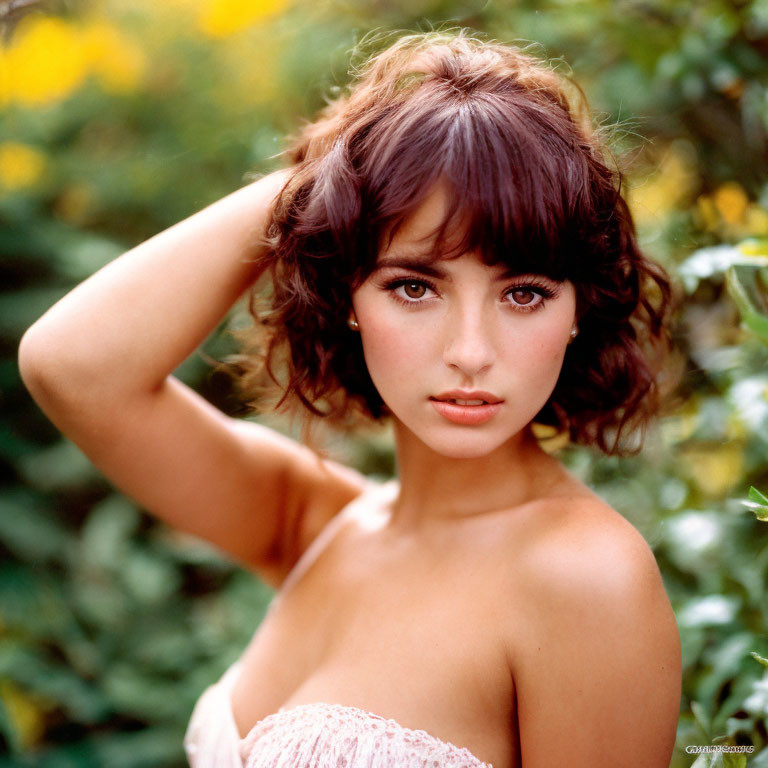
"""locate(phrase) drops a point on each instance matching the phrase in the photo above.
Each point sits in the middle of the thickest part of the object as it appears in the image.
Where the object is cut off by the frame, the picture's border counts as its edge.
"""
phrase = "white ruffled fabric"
(314, 735)
(212, 738)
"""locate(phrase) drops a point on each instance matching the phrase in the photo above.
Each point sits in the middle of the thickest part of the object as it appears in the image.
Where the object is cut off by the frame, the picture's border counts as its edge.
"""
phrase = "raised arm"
(99, 364)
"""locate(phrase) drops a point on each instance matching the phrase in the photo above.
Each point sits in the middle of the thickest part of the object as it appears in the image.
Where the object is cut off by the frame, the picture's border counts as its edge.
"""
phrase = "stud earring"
(352, 323)
(574, 331)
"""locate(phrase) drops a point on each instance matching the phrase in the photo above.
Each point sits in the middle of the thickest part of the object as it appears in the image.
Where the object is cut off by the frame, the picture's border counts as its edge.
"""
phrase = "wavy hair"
(535, 186)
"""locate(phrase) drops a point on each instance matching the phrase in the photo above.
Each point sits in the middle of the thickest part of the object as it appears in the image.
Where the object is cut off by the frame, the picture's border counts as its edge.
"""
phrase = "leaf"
(48, 679)
(8, 730)
(159, 745)
(106, 533)
(149, 578)
(700, 716)
(760, 658)
(757, 496)
(62, 466)
(720, 760)
(26, 712)
(757, 324)
(749, 296)
(707, 760)
(758, 503)
(33, 605)
(141, 693)
(18, 310)
(29, 530)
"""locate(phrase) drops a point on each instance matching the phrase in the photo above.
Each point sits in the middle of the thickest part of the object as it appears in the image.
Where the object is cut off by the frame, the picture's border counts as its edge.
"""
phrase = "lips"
(467, 397)
(467, 408)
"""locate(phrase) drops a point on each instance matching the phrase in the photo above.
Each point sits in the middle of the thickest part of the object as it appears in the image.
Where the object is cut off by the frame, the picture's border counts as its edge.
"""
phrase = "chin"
(468, 443)
(462, 452)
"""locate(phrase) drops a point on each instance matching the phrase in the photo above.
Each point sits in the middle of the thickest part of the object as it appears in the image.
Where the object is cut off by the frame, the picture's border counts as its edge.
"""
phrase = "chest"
(405, 629)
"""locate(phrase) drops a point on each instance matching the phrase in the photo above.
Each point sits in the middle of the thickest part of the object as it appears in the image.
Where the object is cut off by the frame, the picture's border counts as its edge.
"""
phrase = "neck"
(435, 487)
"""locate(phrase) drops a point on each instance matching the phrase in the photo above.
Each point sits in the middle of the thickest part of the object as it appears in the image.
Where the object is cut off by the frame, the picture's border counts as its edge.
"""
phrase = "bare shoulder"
(594, 565)
(593, 643)
(581, 543)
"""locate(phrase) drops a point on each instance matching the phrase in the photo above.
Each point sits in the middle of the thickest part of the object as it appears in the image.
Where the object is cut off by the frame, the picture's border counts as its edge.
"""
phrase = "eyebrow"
(424, 266)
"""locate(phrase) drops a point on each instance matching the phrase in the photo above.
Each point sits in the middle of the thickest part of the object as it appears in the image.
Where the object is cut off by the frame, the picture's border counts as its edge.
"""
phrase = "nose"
(469, 344)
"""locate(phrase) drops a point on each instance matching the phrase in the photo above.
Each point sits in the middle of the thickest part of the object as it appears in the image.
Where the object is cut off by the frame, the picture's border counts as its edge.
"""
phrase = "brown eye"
(408, 291)
(414, 290)
(516, 295)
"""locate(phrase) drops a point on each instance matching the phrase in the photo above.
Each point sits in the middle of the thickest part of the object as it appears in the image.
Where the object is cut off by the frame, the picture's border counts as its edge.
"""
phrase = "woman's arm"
(99, 364)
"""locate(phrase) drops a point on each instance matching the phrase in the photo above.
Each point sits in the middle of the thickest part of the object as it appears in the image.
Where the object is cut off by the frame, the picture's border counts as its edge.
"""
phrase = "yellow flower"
(250, 61)
(45, 61)
(20, 165)
(728, 213)
(707, 213)
(549, 438)
(25, 713)
(113, 57)
(731, 202)
(716, 469)
(753, 247)
(221, 18)
(756, 221)
(5, 79)
(736, 429)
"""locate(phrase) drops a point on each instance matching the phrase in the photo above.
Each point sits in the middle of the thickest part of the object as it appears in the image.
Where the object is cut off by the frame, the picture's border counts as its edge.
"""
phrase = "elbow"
(43, 372)
(31, 359)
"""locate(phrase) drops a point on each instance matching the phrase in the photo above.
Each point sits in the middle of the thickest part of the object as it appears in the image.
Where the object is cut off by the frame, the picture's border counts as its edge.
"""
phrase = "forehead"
(419, 229)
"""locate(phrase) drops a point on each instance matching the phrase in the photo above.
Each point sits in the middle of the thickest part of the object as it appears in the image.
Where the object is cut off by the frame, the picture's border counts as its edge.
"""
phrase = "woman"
(448, 250)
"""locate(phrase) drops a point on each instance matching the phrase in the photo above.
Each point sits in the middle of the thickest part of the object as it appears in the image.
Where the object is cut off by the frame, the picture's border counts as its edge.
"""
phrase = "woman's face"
(456, 329)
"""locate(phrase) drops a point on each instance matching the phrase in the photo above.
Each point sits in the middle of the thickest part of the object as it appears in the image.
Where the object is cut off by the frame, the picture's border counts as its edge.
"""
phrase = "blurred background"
(118, 118)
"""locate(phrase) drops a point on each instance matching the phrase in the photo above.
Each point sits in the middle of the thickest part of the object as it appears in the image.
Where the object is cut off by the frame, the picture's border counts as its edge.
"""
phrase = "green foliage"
(758, 503)
(111, 625)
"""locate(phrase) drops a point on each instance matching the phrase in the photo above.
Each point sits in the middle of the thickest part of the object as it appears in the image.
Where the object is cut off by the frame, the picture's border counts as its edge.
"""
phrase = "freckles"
(537, 344)
(390, 343)
(537, 356)
(552, 346)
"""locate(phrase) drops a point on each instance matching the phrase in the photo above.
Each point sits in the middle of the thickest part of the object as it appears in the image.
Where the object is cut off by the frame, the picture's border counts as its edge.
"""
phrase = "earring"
(352, 323)
(574, 331)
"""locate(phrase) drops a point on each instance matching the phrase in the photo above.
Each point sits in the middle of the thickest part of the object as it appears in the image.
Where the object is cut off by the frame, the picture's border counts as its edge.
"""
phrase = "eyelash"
(542, 290)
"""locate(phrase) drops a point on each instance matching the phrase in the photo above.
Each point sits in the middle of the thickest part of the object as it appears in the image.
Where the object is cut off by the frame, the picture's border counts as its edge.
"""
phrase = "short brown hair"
(530, 176)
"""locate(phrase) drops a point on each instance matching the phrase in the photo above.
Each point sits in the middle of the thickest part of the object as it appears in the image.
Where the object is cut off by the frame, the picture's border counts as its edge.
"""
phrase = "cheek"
(394, 348)
(536, 356)
(546, 344)
(550, 345)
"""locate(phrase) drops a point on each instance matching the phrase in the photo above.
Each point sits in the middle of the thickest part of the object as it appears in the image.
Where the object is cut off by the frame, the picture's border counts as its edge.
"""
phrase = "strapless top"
(317, 734)
(314, 735)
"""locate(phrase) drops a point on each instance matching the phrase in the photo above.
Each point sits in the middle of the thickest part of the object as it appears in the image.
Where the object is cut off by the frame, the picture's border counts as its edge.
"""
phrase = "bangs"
(519, 186)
